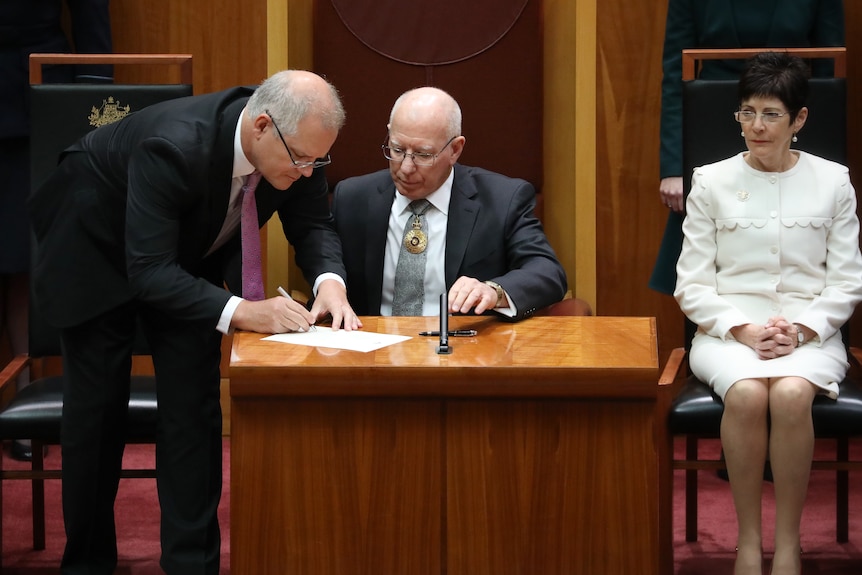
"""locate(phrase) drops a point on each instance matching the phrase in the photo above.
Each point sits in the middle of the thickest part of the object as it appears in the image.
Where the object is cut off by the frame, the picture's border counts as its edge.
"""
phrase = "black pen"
(456, 333)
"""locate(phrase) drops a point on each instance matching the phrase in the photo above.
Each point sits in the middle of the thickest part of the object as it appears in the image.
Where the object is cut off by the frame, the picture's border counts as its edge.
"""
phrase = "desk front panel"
(395, 480)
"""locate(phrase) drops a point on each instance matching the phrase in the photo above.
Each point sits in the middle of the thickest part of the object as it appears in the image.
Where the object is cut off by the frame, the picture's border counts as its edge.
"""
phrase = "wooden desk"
(527, 451)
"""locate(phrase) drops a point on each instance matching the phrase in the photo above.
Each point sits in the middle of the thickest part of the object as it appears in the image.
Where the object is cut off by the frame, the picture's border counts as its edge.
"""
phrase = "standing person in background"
(27, 27)
(724, 24)
(770, 270)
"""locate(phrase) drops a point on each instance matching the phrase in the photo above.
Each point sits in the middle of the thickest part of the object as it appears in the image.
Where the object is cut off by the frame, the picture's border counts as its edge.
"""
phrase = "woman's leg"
(791, 448)
(744, 439)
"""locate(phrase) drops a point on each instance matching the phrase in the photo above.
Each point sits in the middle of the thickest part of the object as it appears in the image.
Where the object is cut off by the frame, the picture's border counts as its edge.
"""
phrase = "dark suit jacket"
(492, 234)
(134, 206)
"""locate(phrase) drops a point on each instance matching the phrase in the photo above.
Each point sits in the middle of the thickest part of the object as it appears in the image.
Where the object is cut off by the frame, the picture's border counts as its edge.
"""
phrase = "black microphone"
(444, 348)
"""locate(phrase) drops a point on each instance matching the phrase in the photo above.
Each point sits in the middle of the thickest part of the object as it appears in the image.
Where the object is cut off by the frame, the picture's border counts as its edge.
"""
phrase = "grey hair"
(289, 100)
(453, 113)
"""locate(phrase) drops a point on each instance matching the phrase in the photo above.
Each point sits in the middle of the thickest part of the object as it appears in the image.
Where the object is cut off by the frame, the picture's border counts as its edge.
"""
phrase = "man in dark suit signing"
(141, 219)
(476, 235)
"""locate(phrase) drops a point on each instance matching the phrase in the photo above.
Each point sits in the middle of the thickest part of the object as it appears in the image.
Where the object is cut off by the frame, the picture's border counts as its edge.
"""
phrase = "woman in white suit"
(770, 270)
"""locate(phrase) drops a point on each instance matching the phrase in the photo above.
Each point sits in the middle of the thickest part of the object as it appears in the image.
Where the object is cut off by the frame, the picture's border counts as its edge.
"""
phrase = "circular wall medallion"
(440, 32)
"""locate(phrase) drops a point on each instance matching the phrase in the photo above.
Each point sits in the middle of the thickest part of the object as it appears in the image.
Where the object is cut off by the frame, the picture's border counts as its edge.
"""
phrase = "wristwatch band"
(499, 290)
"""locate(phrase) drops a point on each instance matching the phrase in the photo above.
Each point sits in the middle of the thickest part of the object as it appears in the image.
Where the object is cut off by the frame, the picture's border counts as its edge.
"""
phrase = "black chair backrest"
(710, 133)
(60, 115)
(63, 113)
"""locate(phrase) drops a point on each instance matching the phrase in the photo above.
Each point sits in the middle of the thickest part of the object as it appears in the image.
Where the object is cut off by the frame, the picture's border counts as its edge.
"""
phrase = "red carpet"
(137, 520)
(138, 529)
(713, 553)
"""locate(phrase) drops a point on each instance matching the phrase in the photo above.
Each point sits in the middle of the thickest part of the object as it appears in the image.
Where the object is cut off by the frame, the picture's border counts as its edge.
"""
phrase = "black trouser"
(97, 363)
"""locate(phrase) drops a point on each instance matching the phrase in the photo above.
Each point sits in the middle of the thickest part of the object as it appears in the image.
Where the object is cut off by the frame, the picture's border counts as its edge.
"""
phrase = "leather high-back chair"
(686, 406)
(61, 114)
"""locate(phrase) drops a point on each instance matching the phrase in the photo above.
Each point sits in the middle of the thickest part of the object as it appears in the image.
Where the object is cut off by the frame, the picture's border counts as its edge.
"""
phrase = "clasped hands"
(280, 314)
(776, 338)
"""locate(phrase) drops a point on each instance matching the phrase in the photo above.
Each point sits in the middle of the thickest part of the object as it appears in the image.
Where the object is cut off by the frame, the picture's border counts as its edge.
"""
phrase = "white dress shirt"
(242, 167)
(436, 222)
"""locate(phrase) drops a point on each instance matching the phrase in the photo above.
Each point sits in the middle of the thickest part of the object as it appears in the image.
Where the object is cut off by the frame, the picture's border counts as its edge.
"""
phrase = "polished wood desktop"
(529, 450)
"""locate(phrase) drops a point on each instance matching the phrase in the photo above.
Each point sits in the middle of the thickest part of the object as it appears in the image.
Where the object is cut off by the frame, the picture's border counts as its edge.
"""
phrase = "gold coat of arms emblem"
(109, 112)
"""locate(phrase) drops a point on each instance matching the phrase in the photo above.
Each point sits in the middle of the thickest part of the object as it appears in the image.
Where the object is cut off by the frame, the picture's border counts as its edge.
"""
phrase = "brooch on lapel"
(742, 195)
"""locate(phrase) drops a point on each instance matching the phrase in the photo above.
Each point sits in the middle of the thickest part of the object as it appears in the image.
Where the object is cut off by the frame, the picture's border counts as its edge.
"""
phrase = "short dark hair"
(776, 75)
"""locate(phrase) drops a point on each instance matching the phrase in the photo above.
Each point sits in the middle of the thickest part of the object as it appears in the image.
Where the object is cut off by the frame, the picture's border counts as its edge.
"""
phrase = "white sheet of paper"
(356, 340)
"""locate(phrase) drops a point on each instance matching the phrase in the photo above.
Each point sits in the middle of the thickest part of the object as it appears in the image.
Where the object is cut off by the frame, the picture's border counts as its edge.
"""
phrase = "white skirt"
(723, 363)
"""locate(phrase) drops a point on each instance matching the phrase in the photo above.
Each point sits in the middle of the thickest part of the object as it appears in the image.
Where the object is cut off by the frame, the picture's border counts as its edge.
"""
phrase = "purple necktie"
(252, 275)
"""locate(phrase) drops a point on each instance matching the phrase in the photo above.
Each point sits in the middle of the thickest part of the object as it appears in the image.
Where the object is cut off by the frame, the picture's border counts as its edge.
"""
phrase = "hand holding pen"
(301, 328)
(272, 315)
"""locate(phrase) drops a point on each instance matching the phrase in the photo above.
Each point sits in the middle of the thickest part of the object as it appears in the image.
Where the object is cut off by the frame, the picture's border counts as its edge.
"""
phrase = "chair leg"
(38, 488)
(1, 509)
(691, 490)
(842, 488)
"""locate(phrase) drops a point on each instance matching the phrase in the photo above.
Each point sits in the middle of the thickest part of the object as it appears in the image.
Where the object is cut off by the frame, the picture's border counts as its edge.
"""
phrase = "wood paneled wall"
(227, 39)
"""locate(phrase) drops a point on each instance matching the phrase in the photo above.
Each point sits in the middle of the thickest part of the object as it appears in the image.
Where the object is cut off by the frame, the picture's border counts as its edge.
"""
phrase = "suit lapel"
(377, 218)
(463, 211)
(221, 167)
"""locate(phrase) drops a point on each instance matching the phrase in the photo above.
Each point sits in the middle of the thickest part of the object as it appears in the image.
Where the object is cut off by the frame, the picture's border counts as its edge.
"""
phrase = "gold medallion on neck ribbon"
(415, 241)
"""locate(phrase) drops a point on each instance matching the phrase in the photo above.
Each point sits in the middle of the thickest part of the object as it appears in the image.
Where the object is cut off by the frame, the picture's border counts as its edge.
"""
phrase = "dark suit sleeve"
(309, 227)
(680, 33)
(160, 201)
(535, 278)
(361, 211)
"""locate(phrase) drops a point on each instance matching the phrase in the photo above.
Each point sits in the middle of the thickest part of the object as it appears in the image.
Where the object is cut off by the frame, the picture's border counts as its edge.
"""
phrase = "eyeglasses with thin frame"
(318, 163)
(419, 158)
(748, 116)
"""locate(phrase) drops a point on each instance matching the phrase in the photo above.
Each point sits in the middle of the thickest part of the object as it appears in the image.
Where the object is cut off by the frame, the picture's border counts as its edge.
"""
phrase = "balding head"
(290, 122)
(430, 107)
(293, 95)
(425, 121)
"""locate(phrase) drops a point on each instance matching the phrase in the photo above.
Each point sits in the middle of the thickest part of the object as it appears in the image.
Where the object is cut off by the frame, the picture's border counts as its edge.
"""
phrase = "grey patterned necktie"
(410, 271)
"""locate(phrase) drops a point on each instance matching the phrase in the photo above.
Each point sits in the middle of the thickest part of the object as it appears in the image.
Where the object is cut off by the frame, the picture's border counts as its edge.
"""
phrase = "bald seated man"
(141, 219)
(480, 237)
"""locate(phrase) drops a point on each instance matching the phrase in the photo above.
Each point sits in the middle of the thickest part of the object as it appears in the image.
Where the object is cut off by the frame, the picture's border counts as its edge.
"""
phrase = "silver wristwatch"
(499, 290)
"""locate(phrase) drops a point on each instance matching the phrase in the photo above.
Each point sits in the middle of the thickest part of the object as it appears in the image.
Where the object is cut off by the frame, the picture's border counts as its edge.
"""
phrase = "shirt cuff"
(326, 276)
(510, 311)
(223, 324)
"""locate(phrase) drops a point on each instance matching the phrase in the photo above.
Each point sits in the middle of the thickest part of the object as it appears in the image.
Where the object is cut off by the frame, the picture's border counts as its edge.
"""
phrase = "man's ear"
(457, 147)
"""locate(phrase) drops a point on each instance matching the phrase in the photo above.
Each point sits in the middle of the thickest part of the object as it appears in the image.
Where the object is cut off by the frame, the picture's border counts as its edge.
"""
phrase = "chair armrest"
(854, 358)
(13, 369)
(672, 369)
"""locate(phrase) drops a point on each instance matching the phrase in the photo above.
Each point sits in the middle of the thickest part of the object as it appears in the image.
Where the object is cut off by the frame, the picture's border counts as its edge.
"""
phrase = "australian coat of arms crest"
(108, 113)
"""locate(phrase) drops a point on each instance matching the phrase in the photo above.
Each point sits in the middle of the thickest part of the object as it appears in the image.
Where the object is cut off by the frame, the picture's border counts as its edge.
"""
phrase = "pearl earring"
(742, 133)
(794, 138)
